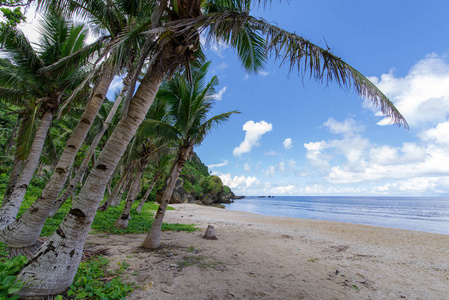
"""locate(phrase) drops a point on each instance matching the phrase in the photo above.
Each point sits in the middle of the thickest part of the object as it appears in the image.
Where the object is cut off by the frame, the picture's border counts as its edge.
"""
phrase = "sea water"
(421, 214)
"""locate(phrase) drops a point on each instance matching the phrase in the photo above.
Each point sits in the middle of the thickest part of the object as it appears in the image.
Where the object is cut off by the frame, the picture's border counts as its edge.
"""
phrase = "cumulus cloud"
(284, 190)
(288, 143)
(439, 134)
(237, 182)
(254, 132)
(224, 163)
(420, 166)
(246, 167)
(315, 155)
(422, 96)
(349, 126)
(219, 96)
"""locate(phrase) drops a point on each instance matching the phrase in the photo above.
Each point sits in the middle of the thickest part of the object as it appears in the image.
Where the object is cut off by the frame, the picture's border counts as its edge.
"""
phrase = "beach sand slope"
(262, 257)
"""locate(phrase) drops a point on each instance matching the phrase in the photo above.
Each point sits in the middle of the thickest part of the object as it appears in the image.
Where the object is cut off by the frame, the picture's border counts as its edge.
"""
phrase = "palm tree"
(83, 167)
(190, 105)
(159, 168)
(142, 150)
(25, 231)
(21, 79)
(173, 34)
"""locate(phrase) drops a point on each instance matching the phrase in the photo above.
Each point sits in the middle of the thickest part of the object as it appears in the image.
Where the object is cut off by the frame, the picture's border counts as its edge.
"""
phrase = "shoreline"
(264, 257)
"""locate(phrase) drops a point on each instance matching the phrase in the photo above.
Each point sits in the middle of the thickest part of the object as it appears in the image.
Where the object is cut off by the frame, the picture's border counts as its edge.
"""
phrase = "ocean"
(412, 213)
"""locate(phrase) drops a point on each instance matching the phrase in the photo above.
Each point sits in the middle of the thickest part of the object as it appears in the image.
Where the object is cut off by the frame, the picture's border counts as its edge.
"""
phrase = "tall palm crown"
(21, 81)
(229, 21)
(189, 106)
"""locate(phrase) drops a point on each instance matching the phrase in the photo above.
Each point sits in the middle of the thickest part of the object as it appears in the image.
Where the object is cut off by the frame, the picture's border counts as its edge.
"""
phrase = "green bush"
(9, 268)
(88, 283)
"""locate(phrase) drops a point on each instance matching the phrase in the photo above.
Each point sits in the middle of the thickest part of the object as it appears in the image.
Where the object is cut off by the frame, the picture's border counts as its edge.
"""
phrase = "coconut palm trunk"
(112, 199)
(82, 169)
(54, 265)
(15, 171)
(25, 231)
(123, 220)
(13, 177)
(153, 239)
(145, 197)
(9, 210)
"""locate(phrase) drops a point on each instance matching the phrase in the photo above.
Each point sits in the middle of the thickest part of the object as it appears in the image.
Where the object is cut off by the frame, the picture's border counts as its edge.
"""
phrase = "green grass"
(139, 223)
(104, 221)
(93, 280)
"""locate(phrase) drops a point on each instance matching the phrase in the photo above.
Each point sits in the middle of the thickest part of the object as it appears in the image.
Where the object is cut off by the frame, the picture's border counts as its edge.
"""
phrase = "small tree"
(190, 104)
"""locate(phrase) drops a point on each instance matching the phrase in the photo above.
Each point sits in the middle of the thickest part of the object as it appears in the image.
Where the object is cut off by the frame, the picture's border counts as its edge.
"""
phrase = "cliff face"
(196, 185)
(180, 195)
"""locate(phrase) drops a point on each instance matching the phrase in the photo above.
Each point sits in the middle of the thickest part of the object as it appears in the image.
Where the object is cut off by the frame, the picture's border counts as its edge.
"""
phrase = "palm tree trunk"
(15, 171)
(114, 195)
(74, 182)
(25, 231)
(9, 210)
(153, 239)
(122, 221)
(145, 197)
(54, 265)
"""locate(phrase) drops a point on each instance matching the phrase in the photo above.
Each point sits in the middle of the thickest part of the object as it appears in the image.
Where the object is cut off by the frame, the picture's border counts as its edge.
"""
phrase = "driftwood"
(210, 233)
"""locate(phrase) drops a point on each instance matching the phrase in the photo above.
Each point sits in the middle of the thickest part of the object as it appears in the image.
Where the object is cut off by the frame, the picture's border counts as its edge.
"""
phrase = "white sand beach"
(262, 257)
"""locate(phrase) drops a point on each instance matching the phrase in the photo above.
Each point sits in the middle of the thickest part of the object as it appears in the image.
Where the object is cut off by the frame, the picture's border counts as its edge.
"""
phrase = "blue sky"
(299, 137)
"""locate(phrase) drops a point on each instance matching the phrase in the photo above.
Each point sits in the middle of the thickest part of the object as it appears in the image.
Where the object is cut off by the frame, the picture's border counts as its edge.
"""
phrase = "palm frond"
(151, 128)
(323, 66)
(26, 132)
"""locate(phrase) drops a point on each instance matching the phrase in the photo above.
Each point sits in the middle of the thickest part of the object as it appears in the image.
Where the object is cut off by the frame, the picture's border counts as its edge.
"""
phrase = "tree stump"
(210, 233)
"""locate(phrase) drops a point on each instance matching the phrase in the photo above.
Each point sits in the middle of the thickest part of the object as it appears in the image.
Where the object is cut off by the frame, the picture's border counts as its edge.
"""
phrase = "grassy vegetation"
(139, 223)
(104, 221)
(93, 280)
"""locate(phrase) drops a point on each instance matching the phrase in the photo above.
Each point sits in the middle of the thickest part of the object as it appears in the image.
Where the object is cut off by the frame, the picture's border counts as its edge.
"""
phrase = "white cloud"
(216, 46)
(422, 96)
(439, 134)
(219, 96)
(246, 167)
(288, 143)
(349, 126)
(254, 132)
(224, 163)
(263, 73)
(237, 182)
(315, 156)
(284, 190)
(270, 171)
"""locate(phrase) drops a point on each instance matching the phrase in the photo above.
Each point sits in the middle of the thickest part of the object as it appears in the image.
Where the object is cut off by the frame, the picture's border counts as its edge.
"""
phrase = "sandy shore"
(261, 257)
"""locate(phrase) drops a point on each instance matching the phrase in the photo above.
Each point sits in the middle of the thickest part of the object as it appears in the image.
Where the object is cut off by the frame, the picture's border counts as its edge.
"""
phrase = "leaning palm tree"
(191, 102)
(21, 79)
(160, 167)
(113, 19)
(174, 35)
(142, 150)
